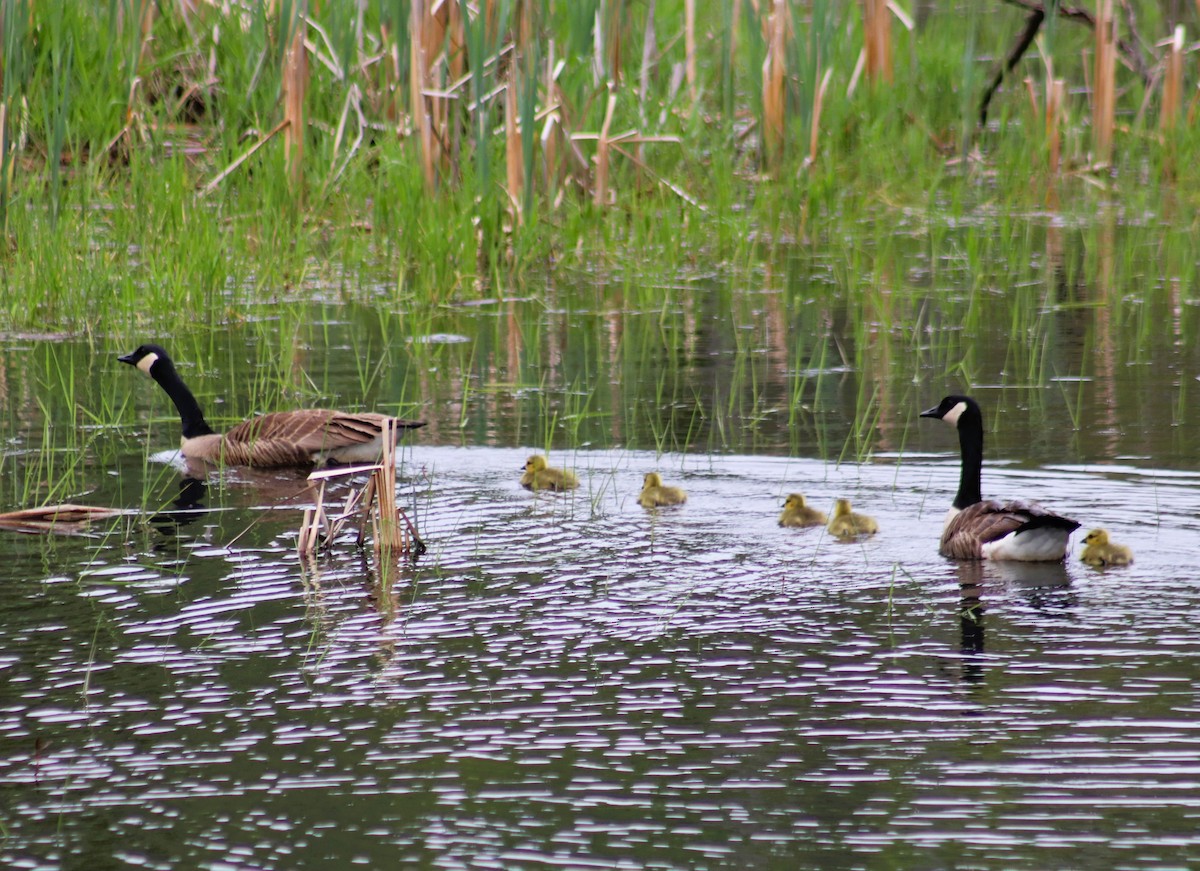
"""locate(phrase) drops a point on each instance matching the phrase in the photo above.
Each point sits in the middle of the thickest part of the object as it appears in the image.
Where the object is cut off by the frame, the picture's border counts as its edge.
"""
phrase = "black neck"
(190, 415)
(970, 440)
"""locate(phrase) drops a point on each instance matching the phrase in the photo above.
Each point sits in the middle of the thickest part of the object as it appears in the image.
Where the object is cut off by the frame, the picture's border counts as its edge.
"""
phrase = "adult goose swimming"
(305, 437)
(978, 529)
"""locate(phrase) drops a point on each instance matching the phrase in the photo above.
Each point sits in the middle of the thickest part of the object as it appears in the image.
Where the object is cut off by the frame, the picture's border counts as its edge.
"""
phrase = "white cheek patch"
(951, 417)
(146, 362)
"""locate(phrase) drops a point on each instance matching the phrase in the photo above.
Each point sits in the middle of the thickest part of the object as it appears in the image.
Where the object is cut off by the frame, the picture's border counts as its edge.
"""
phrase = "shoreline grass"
(911, 243)
(116, 125)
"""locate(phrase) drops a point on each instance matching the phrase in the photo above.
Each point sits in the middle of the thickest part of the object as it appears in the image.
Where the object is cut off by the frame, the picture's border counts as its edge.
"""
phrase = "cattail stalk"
(689, 42)
(818, 103)
(550, 134)
(774, 76)
(513, 151)
(1056, 90)
(1103, 81)
(877, 40)
(420, 25)
(390, 537)
(295, 85)
(1172, 95)
(602, 151)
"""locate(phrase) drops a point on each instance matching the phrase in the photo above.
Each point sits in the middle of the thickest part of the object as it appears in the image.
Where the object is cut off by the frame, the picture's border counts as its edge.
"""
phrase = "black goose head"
(149, 359)
(955, 410)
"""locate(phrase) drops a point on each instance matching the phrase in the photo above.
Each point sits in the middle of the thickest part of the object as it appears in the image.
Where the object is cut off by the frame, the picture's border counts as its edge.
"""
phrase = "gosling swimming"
(540, 475)
(655, 493)
(847, 524)
(796, 513)
(1099, 552)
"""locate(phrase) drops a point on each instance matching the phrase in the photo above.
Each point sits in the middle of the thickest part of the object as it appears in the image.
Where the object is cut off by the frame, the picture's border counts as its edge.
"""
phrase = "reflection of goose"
(187, 507)
(976, 529)
(283, 438)
(847, 524)
(540, 475)
(797, 513)
(1098, 551)
(655, 493)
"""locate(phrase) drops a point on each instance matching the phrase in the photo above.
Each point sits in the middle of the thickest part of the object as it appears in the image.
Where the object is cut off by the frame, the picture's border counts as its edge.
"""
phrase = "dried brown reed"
(512, 145)
(818, 103)
(1056, 90)
(66, 518)
(689, 41)
(295, 87)
(1172, 93)
(773, 86)
(877, 40)
(1104, 81)
(600, 193)
(375, 502)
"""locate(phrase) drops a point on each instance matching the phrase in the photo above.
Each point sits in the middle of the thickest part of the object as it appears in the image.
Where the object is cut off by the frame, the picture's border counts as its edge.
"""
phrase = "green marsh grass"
(892, 257)
(884, 149)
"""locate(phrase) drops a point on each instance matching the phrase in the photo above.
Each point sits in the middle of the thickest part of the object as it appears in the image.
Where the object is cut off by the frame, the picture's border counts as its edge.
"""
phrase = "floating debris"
(66, 518)
(440, 339)
(392, 531)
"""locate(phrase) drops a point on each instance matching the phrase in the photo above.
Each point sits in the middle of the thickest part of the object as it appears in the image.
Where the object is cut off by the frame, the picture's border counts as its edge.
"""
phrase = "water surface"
(572, 681)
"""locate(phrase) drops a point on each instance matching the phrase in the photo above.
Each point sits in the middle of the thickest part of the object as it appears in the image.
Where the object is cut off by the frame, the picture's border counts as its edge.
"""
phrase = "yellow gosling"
(1098, 551)
(539, 475)
(847, 524)
(655, 493)
(796, 513)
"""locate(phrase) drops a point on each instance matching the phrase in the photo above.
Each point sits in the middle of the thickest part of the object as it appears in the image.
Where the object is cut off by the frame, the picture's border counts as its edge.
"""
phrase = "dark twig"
(1032, 25)
(1075, 13)
(1129, 49)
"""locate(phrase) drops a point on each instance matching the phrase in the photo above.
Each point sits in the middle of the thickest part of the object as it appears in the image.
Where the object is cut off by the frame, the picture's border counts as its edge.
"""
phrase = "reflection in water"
(970, 617)
(567, 681)
(188, 507)
(1026, 575)
(1044, 586)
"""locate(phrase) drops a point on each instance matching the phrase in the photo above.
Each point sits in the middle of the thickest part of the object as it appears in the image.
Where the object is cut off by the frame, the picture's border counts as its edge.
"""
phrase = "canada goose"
(539, 475)
(847, 524)
(798, 514)
(975, 529)
(1098, 551)
(283, 438)
(655, 493)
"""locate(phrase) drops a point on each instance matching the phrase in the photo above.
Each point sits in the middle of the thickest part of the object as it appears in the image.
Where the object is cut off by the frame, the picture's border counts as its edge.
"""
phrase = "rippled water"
(574, 681)
(571, 681)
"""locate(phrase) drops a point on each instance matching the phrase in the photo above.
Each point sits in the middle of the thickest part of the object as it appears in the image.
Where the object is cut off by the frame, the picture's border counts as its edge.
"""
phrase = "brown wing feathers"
(990, 520)
(978, 524)
(288, 438)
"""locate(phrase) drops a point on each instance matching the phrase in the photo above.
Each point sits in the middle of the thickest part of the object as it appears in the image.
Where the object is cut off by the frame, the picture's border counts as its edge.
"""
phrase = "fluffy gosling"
(1098, 551)
(655, 493)
(539, 475)
(847, 524)
(797, 513)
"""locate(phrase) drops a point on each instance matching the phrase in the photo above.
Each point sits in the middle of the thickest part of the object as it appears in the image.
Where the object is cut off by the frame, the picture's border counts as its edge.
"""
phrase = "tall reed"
(1172, 93)
(295, 87)
(1104, 81)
